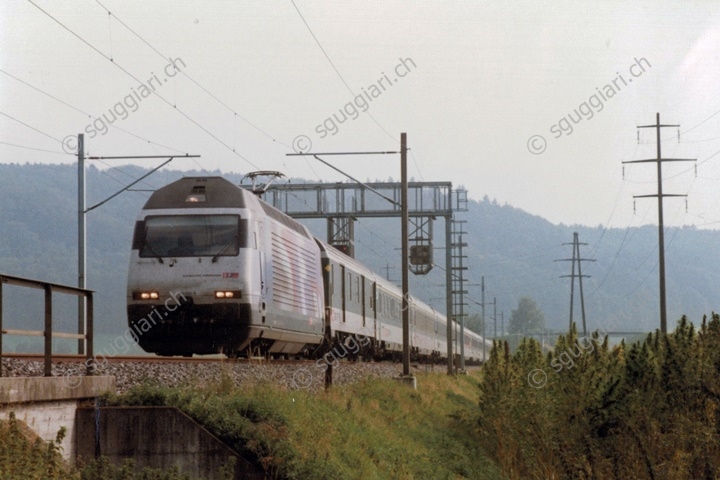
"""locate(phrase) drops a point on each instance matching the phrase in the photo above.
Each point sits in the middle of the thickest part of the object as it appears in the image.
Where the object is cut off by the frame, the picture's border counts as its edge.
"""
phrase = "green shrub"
(645, 411)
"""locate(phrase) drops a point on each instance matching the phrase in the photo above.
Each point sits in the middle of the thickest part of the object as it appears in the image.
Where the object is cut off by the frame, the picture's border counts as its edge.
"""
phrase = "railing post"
(89, 333)
(48, 330)
(1, 323)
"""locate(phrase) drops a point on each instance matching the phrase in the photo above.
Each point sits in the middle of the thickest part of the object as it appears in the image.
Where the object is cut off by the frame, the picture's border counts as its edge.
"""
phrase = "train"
(216, 270)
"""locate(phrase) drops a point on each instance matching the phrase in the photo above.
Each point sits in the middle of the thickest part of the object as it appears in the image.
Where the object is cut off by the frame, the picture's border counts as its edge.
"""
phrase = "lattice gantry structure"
(342, 203)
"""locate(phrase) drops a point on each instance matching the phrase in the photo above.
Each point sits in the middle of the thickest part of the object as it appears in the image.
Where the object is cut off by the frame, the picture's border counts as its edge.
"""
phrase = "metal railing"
(47, 332)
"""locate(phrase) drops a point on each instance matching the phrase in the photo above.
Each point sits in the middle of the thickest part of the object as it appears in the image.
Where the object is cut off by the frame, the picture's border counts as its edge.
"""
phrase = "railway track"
(74, 358)
(134, 370)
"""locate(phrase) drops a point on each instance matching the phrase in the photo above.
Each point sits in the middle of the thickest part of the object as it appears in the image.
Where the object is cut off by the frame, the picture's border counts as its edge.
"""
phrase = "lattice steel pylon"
(576, 259)
(457, 269)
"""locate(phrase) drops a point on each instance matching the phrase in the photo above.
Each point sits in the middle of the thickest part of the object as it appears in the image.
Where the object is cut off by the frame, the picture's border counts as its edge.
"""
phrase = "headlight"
(228, 294)
(146, 295)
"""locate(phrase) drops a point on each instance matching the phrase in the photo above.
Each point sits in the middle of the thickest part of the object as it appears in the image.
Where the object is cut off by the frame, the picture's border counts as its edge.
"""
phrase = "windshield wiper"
(222, 250)
(152, 252)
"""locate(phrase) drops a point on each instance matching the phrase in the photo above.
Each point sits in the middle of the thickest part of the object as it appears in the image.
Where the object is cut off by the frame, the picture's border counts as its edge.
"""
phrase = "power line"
(653, 268)
(30, 127)
(596, 246)
(74, 108)
(85, 113)
(416, 166)
(335, 68)
(139, 81)
(165, 57)
(33, 148)
(43, 92)
(693, 128)
(322, 49)
(617, 254)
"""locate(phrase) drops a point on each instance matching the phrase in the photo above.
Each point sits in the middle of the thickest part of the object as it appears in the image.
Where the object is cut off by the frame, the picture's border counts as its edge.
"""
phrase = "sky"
(532, 103)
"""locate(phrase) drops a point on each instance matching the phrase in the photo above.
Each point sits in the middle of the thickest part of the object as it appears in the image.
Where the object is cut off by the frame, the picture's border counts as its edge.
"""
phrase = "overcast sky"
(472, 83)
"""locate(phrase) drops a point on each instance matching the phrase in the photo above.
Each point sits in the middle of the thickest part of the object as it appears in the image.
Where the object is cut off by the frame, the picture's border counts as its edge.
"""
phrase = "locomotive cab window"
(191, 236)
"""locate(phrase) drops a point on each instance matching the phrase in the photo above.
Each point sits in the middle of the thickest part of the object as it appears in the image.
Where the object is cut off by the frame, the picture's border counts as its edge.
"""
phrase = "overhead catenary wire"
(76, 109)
(235, 113)
(35, 149)
(30, 127)
(128, 73)
(182, 72)
(85, 113)
(332, 64)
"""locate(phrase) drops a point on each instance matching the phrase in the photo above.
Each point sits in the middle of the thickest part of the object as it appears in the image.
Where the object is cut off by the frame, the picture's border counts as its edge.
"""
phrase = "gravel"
(293, 376)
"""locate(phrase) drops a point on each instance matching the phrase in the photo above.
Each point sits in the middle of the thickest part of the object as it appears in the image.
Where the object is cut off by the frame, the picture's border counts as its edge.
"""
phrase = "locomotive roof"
(214, 192)
(198, 192)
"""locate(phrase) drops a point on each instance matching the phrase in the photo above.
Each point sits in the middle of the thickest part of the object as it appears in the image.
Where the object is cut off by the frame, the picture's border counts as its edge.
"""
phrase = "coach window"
(349, 287)
(357, 289)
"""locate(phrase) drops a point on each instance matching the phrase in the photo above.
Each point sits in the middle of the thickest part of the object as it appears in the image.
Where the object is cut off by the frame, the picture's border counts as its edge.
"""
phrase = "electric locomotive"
(215, 270)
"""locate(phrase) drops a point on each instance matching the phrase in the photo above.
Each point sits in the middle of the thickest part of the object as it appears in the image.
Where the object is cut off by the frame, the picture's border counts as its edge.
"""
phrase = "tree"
(474, 322)
(527, 318)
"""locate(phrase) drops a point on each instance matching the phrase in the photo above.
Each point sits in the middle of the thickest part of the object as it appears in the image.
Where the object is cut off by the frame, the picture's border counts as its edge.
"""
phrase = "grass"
(374, 429)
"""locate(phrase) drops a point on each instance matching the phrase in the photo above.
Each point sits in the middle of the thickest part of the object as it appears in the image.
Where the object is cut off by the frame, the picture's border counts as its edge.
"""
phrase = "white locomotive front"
(205, 276)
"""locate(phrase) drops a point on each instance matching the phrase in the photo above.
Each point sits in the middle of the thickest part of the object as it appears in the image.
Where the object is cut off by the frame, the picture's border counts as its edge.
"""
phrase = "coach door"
(344, 291)
(373, 302)
(363, 298)
(263, 273)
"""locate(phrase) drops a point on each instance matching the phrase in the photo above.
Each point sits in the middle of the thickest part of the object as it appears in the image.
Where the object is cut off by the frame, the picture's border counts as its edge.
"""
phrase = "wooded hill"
(513, 250)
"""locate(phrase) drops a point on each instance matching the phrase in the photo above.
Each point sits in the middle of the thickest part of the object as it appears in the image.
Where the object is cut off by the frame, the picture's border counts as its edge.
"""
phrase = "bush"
(587, 411)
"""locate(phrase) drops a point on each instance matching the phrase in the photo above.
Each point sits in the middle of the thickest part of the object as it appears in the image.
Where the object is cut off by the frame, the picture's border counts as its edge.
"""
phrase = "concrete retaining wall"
(46, 404)
(159, 437)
